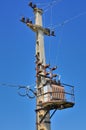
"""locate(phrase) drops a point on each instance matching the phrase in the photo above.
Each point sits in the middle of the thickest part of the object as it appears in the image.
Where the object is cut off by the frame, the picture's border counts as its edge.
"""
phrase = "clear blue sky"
(17, 50)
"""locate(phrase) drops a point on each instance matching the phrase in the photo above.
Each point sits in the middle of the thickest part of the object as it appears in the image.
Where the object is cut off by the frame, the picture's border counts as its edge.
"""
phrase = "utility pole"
(40, 59)
(42, 116)
(50, 94)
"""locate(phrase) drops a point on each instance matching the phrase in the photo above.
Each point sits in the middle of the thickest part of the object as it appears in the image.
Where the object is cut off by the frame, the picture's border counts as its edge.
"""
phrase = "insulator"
(46, 66)
(54, 75)
(48, 30)
(39, 63)
(34, 6)
(31, 4)
(36, 68)
(27, 20)
(45, 84)
(23, 19)
(47, 73)
(37, 42)
(39, 71)
(37, 57)
(30, 21)
(45, 76)
(36, 62)
(53, 33)
(54, 68)
(59, 83)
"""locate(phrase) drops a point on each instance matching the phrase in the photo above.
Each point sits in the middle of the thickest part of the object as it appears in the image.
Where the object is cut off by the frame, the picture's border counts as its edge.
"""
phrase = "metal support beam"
(44, 116)
(53, 113)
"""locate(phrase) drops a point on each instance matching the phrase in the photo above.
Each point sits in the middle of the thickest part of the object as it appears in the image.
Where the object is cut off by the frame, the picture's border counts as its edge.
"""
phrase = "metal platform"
(56, 105)
(56, 97)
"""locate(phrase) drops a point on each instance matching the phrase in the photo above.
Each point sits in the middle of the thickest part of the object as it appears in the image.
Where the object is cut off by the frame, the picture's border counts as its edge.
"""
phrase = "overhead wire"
(46, 6)
(23, 90)
(69, 20)
(8, 85)
(59, 43)
(51, 13)
(62, 26)
(53, 3)
(14, 85)
(51, 23)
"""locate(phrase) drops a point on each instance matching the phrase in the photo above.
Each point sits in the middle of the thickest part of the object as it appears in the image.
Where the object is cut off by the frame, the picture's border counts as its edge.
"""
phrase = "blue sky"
(17, 49)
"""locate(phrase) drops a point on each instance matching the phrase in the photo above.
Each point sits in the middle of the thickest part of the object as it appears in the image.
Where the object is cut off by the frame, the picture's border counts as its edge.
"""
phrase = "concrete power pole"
(40, 57)
(42, 115)
(50, 93)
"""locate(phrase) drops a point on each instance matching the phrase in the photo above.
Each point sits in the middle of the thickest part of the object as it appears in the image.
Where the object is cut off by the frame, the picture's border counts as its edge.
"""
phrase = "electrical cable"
(48, 5)
(65, 22)
(67, 85)
(49, 50)
(8, 85)
(13, 85)
(46, 8)
(27, 91)
(50, 39)
(69, 20)
(22, 90)
(59, 43)
(51, 15)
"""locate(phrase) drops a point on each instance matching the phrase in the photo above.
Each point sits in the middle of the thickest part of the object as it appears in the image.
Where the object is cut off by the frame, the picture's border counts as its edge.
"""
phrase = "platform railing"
(57, 93)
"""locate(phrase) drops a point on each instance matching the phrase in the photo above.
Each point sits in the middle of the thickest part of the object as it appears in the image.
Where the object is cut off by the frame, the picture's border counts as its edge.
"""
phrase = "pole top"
(38, 10)
(34, 7)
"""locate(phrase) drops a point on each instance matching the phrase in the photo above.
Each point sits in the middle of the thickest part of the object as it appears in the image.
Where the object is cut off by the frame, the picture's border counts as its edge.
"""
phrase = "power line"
(47, 5)
(14, 85)
(53, 3)
(69, 20)
(8, 85)
(23, 90)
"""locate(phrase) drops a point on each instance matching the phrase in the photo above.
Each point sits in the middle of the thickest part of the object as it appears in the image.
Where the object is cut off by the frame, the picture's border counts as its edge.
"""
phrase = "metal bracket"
(53, 113)
(44, 116)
